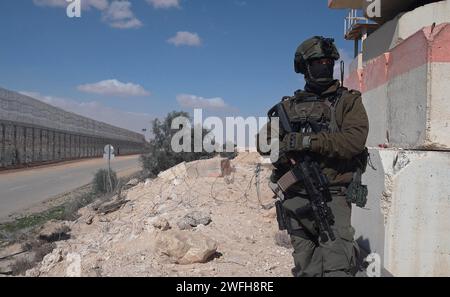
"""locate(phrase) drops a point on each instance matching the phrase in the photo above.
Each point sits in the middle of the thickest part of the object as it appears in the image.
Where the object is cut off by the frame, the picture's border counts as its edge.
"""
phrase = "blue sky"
(126, 62)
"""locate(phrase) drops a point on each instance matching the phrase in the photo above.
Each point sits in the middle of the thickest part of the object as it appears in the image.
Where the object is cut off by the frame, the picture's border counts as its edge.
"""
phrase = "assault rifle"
(308, 172)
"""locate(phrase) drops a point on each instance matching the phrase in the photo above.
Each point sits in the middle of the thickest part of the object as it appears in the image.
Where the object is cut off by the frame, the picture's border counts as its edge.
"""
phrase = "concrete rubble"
(194, 219)
(229, 233)
(162, 224)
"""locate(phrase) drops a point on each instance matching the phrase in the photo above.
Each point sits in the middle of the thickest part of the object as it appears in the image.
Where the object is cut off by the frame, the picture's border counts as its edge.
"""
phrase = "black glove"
(295, 142)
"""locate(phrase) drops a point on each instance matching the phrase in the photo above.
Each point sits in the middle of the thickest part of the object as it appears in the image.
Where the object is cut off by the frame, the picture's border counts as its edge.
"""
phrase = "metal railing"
(354, 17)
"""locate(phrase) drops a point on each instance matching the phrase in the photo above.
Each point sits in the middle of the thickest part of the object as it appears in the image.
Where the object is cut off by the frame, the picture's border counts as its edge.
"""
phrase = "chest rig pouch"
(311, 114)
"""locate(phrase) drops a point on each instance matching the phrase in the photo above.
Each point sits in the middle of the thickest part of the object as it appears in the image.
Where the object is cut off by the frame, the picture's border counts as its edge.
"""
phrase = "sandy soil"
(122, 243)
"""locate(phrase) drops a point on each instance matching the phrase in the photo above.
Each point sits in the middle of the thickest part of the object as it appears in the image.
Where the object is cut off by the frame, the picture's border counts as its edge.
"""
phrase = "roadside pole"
(108, 155)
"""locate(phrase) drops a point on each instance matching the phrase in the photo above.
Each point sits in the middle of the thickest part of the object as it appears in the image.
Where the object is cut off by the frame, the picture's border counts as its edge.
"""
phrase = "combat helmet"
(317, 47)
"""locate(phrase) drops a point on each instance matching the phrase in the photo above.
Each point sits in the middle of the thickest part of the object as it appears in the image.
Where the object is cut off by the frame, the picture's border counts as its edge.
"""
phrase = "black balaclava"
(319, 77)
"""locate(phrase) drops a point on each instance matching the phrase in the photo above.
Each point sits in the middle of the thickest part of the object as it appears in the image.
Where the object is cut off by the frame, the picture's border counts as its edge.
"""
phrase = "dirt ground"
(125, 242)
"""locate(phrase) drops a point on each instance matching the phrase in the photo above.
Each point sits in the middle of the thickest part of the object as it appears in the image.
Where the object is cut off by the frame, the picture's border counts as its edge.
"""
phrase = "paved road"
(20, 189)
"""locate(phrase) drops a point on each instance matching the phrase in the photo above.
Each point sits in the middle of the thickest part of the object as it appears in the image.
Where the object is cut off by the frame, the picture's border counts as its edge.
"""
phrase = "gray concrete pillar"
(20, 145)
(72, 146)
(62, 146)
(90, 145)
(29, 145)
(84, 146)
(97, 146)
(77, 146)
(57, 147)
(67, 146)
(62, 139)
(44, 145)
(37, 154)
(2, 146)
(51, 145)
(8, 144)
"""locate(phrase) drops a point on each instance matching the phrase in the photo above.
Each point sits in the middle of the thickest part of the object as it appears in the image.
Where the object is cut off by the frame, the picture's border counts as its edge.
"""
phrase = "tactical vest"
(312, 114)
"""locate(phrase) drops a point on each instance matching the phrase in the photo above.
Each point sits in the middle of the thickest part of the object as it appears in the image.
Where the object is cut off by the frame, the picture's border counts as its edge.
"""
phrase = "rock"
(33, 272)
(184, 224)
(265, 162)
(133, 182)
(51, 260)
(54, 231)
(6, 266)
(184, 247)
(11, 250)
(87, 215)
(193, 219)
(74, 265)
(269, 205)
(85, 211)
(111, 206)
(270, 214)
(89, 219)
(162, 224)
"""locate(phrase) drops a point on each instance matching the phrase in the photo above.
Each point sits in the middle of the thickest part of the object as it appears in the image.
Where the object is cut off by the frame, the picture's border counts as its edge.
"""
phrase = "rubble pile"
(205, 218)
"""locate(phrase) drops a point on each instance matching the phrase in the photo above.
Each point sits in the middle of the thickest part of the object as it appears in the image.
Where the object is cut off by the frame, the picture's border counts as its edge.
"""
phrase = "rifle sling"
(292, 177)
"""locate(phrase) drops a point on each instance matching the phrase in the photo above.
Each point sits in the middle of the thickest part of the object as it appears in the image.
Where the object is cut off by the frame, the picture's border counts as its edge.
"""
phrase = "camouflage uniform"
(340, 151)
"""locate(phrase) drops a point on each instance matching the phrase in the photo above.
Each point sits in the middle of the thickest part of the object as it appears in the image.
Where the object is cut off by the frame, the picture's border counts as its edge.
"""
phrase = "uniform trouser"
(313, 258)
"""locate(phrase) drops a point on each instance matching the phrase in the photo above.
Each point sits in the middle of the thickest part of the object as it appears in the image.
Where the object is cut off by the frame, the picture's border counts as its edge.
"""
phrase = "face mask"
(321, 71)
(319, 77)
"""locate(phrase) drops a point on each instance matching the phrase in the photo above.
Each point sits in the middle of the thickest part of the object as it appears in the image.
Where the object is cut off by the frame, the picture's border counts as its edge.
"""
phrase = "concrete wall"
(381, 41)
(392, 33)
(406, 95)
(406, 219)
(34, 132)
(406, 92)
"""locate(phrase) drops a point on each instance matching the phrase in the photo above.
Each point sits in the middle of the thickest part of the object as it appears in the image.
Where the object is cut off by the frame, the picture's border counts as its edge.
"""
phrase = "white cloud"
(99, 4)
(164, 3)
(192, 101)
(86, 4)
(119, 15)
(115, 88)
(128, 120)
(185, 38)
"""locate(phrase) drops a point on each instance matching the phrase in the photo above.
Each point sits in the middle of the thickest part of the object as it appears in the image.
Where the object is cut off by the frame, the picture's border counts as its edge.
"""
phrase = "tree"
(160, 155)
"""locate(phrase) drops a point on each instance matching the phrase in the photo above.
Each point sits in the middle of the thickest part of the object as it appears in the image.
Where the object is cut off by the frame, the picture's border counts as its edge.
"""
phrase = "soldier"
(336, 142)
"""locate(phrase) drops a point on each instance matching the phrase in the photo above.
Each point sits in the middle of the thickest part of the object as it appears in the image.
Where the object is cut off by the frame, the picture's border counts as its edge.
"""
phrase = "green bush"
(102, 183)
(160, 155)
